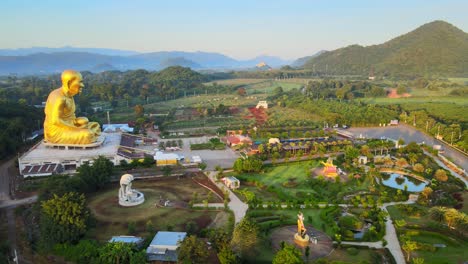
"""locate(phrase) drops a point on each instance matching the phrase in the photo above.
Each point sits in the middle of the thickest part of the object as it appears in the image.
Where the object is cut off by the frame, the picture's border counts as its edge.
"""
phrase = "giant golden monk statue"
(61, 126)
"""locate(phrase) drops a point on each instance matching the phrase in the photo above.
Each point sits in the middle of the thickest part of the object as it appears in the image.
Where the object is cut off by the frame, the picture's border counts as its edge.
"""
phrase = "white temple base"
(136, 199)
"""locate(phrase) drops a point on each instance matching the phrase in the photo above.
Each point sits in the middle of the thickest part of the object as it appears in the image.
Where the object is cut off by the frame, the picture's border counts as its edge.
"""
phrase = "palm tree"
(437, 213)
(412, 158)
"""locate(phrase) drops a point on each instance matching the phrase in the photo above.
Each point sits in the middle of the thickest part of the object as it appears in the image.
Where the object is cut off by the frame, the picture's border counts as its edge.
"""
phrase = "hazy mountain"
(301, 61)
(179, 61)
(103, 67)
(34, 50)
(270, 60)
(204, 59)
(54, 62)
(434, 49)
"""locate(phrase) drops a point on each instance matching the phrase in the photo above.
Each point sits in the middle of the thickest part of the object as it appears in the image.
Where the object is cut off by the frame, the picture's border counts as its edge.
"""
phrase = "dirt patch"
(203, 181)
(322, 248)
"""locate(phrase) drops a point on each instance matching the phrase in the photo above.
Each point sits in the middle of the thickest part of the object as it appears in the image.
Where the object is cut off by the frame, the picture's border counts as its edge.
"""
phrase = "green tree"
(192, 250)
(288, 255)
(437, 213)
(227, 256)
(351, 153)
(139, 110)
(418, 167)
(409, 246)
(202, 166)
(97, 175)
(120, 253)
(441, 175)
(63, 219)
(245, 238)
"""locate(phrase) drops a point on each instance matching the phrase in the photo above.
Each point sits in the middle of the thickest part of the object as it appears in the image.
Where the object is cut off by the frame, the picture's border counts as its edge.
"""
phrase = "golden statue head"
(72, 82)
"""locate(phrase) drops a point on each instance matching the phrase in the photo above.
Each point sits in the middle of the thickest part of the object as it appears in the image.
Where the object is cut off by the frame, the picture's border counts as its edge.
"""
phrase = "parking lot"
(224, 158)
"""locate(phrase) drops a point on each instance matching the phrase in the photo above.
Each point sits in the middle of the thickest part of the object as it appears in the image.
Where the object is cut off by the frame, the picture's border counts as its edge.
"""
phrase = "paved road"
(5, 180)
(14, 203)
(11, 221)
(236, 205)
(409, 134)
(441, 164)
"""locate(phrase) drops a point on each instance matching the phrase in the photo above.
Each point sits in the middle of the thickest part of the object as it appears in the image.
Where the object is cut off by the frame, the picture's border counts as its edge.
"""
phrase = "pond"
(398, 181)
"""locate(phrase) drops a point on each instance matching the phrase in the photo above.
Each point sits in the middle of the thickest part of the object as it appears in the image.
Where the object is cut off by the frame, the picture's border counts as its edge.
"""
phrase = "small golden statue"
(301, 238)
(61, 126)
(329, 169)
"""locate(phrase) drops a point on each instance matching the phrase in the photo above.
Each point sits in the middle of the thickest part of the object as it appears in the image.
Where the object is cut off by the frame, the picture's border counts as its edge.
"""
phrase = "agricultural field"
(460, 101)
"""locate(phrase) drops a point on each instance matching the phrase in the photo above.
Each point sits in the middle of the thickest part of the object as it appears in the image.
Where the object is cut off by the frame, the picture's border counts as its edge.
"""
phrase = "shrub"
(352, 251)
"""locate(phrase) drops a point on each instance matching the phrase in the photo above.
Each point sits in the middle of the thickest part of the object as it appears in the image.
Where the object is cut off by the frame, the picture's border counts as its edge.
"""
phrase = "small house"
(164, 246)
(163, 159)
(362, 160)
(394, 122)
(231, 182)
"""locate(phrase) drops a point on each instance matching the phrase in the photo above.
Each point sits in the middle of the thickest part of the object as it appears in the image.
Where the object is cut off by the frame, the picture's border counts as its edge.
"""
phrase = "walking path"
(11, 221)
(441, 164)
(235, 204)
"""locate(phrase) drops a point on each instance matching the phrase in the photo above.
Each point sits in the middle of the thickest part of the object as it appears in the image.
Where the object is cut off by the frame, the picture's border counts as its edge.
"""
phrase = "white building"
(42, 160)
(162, 158)
(262, 104)
(164, 246)
(116, 128)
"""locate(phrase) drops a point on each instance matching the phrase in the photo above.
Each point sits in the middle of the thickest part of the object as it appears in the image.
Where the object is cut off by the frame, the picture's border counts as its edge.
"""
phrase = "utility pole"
(427, 124)
(451, 139)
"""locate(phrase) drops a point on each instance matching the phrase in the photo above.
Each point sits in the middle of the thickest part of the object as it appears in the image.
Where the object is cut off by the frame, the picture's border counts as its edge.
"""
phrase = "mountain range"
(41, 60)
(433, 49)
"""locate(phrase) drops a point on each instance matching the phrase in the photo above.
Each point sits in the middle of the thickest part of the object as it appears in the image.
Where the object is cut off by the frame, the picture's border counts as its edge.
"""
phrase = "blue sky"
(240, 28)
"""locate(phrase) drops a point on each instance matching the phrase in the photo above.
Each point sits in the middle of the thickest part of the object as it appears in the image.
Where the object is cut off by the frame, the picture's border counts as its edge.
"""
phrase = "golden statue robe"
(61, 126)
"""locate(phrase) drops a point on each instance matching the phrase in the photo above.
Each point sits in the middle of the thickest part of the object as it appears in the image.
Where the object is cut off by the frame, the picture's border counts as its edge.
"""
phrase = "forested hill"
(434, 49)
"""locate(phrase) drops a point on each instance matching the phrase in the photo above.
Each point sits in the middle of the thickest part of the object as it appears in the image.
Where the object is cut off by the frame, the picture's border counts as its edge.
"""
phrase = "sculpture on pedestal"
(61, 126)
(301, 238)
(127, 195)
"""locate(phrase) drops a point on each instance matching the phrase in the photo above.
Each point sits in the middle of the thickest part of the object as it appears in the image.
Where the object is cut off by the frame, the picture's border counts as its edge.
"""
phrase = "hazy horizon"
(241, 30)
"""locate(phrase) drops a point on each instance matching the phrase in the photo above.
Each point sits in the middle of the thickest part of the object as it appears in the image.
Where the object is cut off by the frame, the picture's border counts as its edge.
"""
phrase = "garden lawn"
(112, 219)
(298, 174)
(342, 255)
(455, 252)
(311, 217)
(397, 214)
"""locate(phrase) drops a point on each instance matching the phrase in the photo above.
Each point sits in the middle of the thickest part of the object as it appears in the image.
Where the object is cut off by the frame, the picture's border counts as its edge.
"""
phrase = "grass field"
(113, 219)
(419, 220)
(454, 252)
(293, 181)
(417, 100)
(276, 176)
(342, 255)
